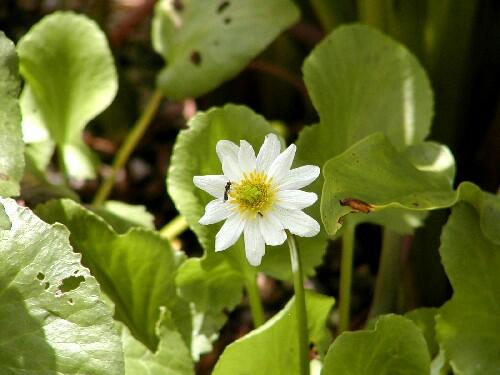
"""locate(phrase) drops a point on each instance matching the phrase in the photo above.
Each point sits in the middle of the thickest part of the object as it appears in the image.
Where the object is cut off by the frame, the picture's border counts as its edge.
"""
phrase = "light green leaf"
(424, 318)
(467, 325)
(52, 319)
(212, 291)
(122, 216)
(362, 82)
(395, 347)
(172, 356)
(373, 172)
(11, 141)
(273, 347)
(194, 155)
(136, 270)
(66, 62)
(208, 42)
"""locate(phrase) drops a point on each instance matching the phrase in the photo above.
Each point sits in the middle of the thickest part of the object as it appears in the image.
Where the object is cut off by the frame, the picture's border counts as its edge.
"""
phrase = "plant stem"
(300, 304)
(254, 299)
(128, 146)
(174, 228)
(385, 297)
(346, 277)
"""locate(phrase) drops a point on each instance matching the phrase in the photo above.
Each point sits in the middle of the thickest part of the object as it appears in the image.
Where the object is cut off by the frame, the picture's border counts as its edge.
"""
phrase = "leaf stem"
(300, 304)
(174, 227)
(346, 277)
(388, 278)
(254, 299)
(128, 146)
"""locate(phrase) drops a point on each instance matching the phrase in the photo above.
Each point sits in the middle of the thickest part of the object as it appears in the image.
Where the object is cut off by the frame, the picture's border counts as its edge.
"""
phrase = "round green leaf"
(136, 269)
(207, 42)
(52, 319)
(194, 155)
(11, 140)
(467, 325)
(273, 347)
(424, 318)
(362, 82)
(395, 347)
(66, 61)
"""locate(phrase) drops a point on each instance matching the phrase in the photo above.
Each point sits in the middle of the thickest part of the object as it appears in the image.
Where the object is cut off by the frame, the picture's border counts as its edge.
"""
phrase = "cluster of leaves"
(96, 290)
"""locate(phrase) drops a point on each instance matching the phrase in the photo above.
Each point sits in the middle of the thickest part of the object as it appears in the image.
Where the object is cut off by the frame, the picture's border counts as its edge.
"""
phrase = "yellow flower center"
(254, 194)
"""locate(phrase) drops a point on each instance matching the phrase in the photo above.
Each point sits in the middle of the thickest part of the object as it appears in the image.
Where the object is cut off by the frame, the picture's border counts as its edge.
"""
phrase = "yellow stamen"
(254, 194)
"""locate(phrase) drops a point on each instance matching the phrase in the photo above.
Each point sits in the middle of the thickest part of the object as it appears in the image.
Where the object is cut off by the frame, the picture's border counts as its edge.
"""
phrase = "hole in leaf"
(196, 58)
(227, 20)
(70, 301)
(222, 7)
(46, 285)
(40, 276)
(178, 5)
(71, 283)
(75, 272)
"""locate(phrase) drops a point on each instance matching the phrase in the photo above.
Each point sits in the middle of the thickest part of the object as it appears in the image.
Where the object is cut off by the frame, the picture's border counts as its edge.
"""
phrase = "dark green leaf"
(208, 42)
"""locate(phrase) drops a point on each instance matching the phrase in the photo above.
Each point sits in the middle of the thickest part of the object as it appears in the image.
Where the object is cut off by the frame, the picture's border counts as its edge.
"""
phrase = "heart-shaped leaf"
(68, 67)
(396, 347)
(273, 347)
(52, 318)
(467, 325)
(136, 269)
(11, 140)
(208, 42)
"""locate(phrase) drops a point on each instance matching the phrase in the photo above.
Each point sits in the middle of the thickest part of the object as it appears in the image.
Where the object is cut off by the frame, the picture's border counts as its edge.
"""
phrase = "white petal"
(297, 222)
(255, 247)
(271, 229)
(295, 199)
(246, 157)
(281, 165)
(215, 211)
(212, 184)
(230, 232)
(228, 156)
(268, 152)
(299, 177)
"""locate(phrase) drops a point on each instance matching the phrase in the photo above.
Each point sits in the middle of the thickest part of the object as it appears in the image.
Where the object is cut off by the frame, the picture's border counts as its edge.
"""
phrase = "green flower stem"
(254, 299)
(174, 228)
(300, 304)
(128, 146)
(346, 277)
(388, 279)
(62, 166)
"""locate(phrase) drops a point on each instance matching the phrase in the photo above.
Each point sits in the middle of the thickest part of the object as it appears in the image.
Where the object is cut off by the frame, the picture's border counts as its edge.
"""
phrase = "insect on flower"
(258, 196)
(226, 190)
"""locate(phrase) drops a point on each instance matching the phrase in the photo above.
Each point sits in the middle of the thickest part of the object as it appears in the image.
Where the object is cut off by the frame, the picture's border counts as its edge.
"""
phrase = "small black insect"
(226, 191)
(260, 214)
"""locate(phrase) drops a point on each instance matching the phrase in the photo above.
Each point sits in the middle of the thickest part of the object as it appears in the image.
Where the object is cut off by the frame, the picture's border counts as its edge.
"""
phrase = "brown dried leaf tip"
(357, 205)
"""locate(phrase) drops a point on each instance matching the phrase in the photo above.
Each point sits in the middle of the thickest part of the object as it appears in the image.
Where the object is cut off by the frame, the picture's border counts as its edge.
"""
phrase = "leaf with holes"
(208, 42)
(194, 155)
(467, 325)
(273, 347)
(136, 269)
(68, 67)
(396, 347)
(52, 318)
(11, 140)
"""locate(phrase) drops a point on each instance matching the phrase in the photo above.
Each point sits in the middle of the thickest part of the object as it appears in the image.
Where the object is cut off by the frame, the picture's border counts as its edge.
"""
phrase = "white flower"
(258, 196)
